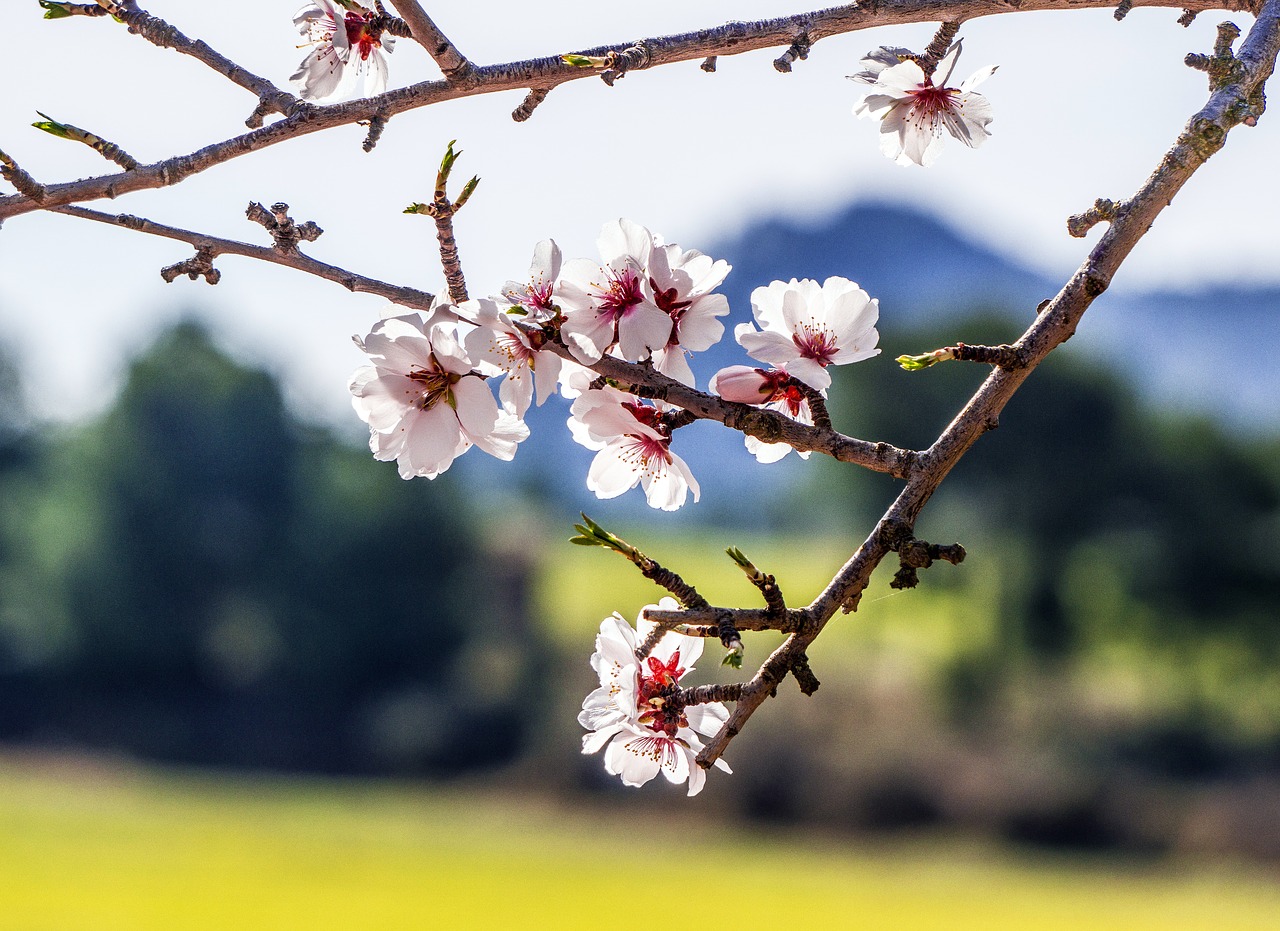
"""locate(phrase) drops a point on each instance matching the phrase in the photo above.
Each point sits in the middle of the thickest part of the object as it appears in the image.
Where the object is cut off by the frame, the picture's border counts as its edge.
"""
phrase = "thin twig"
(407, 297)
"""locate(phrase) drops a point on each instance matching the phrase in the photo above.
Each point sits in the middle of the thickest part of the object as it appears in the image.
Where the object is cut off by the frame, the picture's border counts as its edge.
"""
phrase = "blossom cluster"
(632, 716)
(426, 395)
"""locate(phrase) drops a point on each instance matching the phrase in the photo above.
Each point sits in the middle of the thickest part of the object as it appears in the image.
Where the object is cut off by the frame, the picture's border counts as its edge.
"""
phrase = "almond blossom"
(536, 295)
(806, 327)
(629, 715)
(682, 282)
(499, 345)
(613, 304)
(423, 400)
(913, 109)
(347, 51)
(774, 389)
(633, 444)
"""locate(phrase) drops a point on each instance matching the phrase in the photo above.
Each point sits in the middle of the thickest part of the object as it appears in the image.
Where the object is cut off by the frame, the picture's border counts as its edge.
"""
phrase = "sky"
(1084, 107)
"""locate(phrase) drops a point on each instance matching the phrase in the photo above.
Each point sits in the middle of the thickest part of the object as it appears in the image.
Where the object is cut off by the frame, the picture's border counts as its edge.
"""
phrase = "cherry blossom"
(613, 303)
(806, 327)
(499, 345)
(347, 51)
(422, 399)
(913, 110)
(629, 716)
(633, 444)
(774, 389)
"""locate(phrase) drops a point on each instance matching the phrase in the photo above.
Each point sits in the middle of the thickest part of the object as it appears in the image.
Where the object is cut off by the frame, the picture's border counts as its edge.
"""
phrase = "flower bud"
(743, 384)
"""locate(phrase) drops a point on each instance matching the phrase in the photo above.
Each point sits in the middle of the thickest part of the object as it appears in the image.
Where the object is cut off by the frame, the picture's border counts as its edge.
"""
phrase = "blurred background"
(250, 677)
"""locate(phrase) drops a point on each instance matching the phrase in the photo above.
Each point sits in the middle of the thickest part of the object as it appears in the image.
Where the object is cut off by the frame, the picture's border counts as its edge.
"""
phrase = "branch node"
(199, 265)
(709, 64)
(1187, 18)
(377, 123)
(529, 104)
(1123, 9)
(914, 555)
(804, 676)
(284, 231)
(617, 64)
(16, 175)
(799, 50)
(108, 150)
(1103, 210)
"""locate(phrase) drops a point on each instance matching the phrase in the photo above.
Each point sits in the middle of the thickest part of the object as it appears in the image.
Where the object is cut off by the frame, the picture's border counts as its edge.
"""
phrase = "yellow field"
(85, 847)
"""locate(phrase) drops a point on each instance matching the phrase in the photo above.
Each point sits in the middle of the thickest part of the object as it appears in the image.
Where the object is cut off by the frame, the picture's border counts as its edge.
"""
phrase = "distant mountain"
(1210, 350)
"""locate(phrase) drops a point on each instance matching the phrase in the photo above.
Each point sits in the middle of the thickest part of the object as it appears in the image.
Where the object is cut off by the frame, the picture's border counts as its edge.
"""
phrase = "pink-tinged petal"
(766, 452)
(876, 106)
(476, 409)
(643, 329)
(766, 304)
(516, 391)
(432, 440)
(621, 239)
(697, 778)
(902, 77)
(668, 488)
(699, 328)
(611, 474)
(767, 346)
(977, 78)
(501, 442)
(811, 373)
(546, 261)
(740, 383)
(546, 373)
(707, 719)
(592, 743)
(634, 757)
(589, 335)
(383, 402)
(319, 74)
(674, 363)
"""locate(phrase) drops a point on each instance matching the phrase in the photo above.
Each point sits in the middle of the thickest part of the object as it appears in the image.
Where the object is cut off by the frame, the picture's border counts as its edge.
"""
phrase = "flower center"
(622, 294)
(815, 342)
(436, 384)
(783, 388)
(929, 101)
(360, 36)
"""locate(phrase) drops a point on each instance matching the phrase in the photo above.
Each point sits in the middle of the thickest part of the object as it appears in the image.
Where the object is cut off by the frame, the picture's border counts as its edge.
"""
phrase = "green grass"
(84, 847)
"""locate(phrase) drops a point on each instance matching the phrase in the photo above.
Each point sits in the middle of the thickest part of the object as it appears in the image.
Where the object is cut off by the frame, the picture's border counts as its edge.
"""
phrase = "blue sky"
(1084, 108)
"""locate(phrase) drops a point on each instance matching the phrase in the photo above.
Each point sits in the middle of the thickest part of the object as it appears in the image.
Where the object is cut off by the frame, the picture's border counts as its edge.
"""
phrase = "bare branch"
(158, 32)
(427, 34)
(407, 297)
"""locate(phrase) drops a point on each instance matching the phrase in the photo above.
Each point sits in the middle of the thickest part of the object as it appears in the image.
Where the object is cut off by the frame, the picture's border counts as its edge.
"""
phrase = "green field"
(85, 846)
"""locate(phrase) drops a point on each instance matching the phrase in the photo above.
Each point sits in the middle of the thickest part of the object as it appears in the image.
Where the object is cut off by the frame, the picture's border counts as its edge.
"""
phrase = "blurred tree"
(209, 580)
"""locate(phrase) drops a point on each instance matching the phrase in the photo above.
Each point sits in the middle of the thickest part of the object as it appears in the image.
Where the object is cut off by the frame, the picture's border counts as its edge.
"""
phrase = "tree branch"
(427, 34)
(537, 73)
(408, 297)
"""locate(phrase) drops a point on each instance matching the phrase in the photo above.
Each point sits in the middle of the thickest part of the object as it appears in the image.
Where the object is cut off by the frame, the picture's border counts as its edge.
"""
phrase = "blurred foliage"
(197, 576)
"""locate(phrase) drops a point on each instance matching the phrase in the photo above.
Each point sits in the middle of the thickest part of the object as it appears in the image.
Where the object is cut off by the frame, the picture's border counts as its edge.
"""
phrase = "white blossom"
(629, 716)
(423, 400)
(346, 54)
(633, 446)
(913, 109)
(806, 327)
(613, 304)
(682, 282)
(499, 345)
